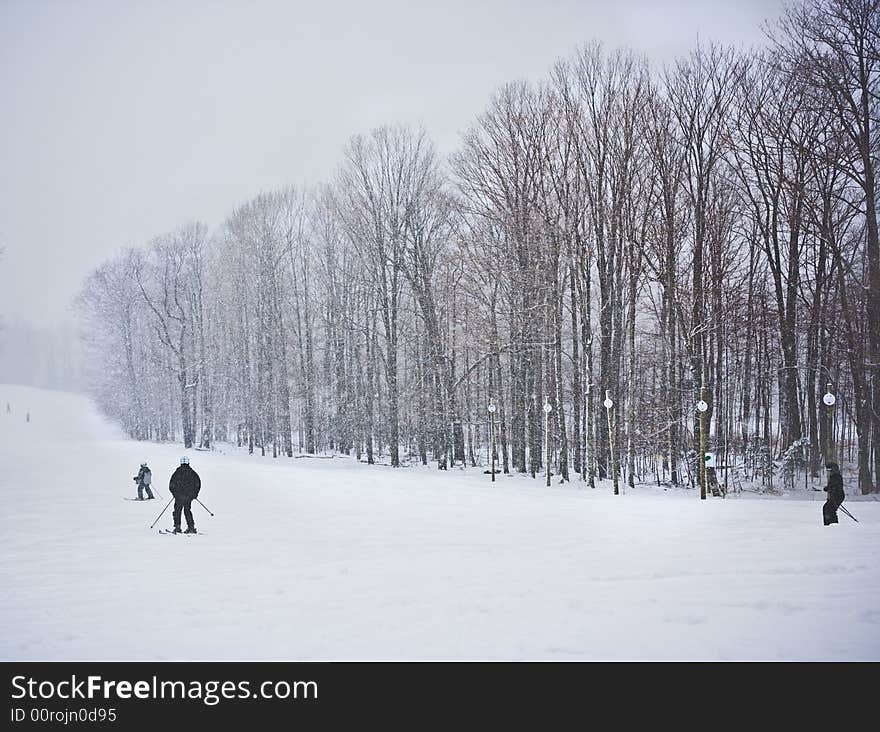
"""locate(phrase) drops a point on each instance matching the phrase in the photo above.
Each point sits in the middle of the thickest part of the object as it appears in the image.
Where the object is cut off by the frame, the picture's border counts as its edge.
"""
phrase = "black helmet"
(833, 467)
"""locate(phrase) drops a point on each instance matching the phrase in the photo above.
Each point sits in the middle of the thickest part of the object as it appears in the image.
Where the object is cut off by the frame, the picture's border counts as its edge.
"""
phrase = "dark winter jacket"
(835, 488)
(144, 477)
(185, 484)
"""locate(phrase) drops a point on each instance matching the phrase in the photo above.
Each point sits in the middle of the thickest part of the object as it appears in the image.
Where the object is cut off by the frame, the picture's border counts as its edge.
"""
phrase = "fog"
(123, 121)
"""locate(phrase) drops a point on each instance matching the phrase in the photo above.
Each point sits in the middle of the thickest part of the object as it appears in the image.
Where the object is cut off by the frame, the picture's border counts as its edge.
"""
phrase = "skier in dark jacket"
(835, 494)
(143, 480)
(184, 486)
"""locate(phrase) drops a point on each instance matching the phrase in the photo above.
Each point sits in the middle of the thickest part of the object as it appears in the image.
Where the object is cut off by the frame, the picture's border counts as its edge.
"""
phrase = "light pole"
(547, 410)
(588, 452)
(829, 400)
(608, 406)
(702, 408)
(492, 436)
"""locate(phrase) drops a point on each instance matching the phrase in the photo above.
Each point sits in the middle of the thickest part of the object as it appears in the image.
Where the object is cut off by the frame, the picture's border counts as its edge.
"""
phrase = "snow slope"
(310, 559)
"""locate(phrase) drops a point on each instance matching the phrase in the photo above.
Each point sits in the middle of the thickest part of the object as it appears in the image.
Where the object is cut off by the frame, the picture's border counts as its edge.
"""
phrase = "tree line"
(656, 237)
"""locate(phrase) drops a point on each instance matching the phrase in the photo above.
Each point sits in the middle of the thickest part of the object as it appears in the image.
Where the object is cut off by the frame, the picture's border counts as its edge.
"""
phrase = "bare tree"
(834, 45)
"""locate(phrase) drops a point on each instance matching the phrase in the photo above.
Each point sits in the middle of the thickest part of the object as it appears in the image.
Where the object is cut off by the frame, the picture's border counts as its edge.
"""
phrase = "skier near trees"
(184, 486)
(835, 494)
(143, 480)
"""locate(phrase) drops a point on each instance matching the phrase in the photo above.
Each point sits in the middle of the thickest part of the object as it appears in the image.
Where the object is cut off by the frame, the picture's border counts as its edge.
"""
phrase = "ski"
(140, 500)
(168, 531)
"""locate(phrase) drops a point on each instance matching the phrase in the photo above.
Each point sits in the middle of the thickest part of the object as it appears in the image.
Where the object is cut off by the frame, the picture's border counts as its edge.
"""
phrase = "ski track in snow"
(334, 560)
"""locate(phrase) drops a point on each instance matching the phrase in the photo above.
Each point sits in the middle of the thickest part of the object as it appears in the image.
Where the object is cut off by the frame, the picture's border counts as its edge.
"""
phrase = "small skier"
(184, 486)
(835, 494)
(8, 408)
(143, 480)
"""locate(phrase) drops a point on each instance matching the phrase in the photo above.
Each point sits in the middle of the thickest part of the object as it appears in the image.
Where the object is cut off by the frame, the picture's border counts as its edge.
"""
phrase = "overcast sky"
(123, 120)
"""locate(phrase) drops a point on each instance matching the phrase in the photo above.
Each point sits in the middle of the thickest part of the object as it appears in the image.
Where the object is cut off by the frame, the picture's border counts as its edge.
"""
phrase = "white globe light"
(829, 399)
(608, 404)
(547, 407)
(492, 408)
(702, 406)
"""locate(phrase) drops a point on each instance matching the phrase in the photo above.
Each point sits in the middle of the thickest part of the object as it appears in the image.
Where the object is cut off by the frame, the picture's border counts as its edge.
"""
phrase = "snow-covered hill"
(329, 559)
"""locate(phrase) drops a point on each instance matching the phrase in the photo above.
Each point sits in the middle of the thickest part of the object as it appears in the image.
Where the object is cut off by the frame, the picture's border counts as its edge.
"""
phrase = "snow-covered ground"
(311, 559)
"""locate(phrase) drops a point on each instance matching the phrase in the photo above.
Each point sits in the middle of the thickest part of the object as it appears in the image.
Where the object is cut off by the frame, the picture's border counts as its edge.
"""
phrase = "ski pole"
(204, 506)
(848, 513)
(160, 515)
